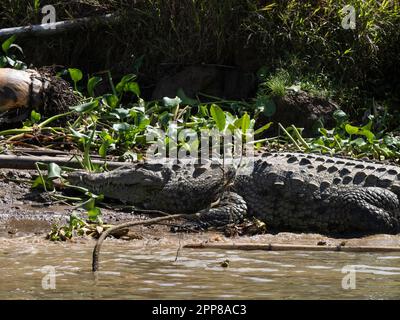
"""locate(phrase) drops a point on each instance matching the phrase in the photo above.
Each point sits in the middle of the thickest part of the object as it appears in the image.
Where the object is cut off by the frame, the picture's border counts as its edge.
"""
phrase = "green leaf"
(245, 122)
(77, 134)
(340, 116)
(107, 142)
(370, 136)
(171, 103)
(359, 142)
(36, 5)
(121, 86)
(219, 116)
(111, 100)
(359, 131)
(263, 128)
(35, 116)
(203, 111)
(351, 129)
(7, 44)
(121, 126)
(94, 213)
(103, 149)
(133, 87)
(391, 141)
(120, 113)
(76, 74)
(90, 204)
(38, 182)
(54, 171)
(92, 83)
(85, 107)
(368, 126)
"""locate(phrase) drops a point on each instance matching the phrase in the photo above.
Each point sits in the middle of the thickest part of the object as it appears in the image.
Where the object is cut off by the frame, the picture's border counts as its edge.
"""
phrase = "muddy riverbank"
(26, 212)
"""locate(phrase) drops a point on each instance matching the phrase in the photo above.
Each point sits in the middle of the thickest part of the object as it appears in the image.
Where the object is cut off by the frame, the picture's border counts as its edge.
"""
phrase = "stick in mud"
(106, 233)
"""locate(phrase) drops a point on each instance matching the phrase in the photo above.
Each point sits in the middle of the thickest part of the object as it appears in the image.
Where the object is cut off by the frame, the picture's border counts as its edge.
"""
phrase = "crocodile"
(288, 191)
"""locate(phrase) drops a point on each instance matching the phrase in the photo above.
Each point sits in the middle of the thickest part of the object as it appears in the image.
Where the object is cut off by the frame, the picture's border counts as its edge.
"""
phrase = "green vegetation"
(276, 84)
(290, 45)
(348, 140)
(117, 123)
(7, 59)
(303, 37)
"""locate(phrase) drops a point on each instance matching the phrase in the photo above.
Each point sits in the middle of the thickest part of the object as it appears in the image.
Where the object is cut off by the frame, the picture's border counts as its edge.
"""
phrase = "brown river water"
(152, 270)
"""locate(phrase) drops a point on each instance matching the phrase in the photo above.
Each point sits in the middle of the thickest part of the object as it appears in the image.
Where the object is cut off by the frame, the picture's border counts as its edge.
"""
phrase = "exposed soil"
(24, 212)
(304, 111)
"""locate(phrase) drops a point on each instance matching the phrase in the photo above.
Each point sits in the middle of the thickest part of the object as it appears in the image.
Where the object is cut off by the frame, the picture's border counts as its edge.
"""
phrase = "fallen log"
(24, 90)
(20, 89)
(49, 29)
(29, 162)
(290, 247)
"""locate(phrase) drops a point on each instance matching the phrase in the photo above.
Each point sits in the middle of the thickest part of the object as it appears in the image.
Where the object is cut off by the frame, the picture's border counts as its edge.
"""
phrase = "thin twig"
(179, 249)
(106, 233)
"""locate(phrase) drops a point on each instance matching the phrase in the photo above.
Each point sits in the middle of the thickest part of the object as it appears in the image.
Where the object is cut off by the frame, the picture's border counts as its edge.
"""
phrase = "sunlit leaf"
(171, 103)
(7, 44)
(54, 171)
(85, 107)
(245, 122)
(263, 128)
(76, 74)
(94, 213)
(121, 126)
(219, 117)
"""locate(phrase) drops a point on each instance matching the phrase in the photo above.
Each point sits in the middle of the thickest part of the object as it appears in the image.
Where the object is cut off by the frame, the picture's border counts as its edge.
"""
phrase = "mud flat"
(25, 212)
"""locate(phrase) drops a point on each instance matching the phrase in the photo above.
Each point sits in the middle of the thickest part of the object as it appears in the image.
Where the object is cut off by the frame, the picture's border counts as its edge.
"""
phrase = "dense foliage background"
(305, 37)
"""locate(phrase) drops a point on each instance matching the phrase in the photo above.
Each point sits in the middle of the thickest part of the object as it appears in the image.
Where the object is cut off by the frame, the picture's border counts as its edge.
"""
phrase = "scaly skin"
(288, 191)
(298, 192)
(189, 189)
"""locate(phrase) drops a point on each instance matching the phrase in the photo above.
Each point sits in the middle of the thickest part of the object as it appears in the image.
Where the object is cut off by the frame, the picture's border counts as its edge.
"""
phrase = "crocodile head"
(187, 188)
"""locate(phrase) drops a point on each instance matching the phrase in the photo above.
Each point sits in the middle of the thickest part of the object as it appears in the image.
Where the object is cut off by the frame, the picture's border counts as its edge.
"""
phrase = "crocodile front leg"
(368, 210)
(231, 208)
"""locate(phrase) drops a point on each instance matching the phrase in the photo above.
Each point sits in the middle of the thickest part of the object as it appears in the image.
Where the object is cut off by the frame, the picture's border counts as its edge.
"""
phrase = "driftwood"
(106, 233)
(57, 27)
(29, 162)
(24, 90)
(21, 89)
(290, 247)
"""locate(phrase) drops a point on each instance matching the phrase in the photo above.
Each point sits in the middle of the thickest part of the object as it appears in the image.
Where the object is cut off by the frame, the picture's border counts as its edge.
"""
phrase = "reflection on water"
(132, 272)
